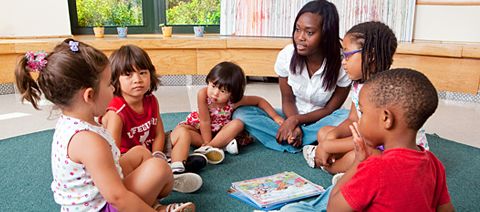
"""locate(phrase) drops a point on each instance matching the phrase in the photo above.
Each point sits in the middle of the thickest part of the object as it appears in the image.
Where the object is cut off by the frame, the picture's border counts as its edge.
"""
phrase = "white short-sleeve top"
(308, 91)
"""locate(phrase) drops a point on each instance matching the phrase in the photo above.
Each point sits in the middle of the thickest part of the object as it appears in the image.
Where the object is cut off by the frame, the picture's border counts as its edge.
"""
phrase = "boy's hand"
(361, 150)
(323, 158)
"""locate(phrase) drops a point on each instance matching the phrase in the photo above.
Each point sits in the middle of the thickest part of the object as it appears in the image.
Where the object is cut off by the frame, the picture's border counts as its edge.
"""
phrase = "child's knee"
(323, 133)
(237, 123)
(141, 150)
(160, 168)
(179, 133)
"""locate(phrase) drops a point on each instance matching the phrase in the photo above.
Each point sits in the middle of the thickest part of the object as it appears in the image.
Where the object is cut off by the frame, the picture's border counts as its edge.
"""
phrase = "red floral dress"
(219, 116)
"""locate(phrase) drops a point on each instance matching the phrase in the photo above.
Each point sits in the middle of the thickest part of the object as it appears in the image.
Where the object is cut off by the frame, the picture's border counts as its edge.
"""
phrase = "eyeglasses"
(347, 55)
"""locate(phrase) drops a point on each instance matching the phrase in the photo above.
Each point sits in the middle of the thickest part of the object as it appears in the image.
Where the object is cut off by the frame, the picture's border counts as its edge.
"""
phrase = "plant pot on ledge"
(122, 32)
(199, 31)
(99, 31)
(166, 31)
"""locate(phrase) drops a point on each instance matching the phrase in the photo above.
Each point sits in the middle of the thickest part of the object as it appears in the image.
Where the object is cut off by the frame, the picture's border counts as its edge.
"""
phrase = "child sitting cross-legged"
(404, 177)
(133, 117)
(89, 173)
(368, 49)
(212, 128)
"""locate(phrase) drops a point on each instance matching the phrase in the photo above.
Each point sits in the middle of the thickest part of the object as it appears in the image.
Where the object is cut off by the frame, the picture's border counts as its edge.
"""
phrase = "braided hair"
(378, 44)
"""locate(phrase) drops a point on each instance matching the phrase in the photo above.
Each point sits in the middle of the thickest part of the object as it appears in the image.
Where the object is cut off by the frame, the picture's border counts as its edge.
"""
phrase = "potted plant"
(98, 22)
(122, 16)
(198, 29)
(166, 30)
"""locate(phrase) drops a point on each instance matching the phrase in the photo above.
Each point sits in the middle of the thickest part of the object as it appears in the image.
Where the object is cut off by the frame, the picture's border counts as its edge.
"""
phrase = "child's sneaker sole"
(187, 182)
(214, 155)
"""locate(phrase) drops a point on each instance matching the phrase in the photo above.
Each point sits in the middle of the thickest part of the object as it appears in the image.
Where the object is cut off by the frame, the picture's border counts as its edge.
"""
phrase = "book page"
(278, 188)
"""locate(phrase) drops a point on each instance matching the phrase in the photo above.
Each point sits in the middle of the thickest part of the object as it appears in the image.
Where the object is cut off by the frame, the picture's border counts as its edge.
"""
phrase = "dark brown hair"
(330, 45)
(127, 59)
(229, 76)
(378, 44)
(65, 73)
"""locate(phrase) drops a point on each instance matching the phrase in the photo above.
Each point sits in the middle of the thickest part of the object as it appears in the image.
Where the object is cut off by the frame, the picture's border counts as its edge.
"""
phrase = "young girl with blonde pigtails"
(89, 173)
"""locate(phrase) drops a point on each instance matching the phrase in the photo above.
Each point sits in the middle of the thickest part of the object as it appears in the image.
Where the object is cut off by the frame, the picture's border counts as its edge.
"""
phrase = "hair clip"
(36, 60)
(73, 46)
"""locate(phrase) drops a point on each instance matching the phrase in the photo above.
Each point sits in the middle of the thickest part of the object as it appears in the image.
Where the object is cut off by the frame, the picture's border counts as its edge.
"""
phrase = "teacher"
(312, 83)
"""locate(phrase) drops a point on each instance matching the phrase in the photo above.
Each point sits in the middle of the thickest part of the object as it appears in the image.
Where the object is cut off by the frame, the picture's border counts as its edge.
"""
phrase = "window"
(144, 16)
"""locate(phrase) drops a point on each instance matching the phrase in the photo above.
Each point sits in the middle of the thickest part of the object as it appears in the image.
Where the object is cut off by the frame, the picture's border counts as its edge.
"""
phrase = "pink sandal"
(177, 207)
(180, 207)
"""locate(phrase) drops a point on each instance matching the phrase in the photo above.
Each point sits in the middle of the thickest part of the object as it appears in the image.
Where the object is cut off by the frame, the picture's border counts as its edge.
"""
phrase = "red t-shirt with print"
(138, 129)
(398, 180)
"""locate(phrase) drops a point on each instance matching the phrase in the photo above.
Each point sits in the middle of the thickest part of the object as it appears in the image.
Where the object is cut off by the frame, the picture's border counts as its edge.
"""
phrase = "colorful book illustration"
(274, 191)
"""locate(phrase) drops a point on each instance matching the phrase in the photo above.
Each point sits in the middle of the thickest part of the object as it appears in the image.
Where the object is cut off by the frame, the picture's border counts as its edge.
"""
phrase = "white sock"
(177, 167)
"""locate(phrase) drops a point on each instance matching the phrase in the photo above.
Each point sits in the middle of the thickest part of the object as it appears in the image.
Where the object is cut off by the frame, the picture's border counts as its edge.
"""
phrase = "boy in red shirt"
(405, 177)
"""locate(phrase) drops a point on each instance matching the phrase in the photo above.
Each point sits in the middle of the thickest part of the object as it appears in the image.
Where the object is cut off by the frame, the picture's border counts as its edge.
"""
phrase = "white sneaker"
(309, 154)
(336, 177)
(214, 155)
(187, 182)
(232, 147)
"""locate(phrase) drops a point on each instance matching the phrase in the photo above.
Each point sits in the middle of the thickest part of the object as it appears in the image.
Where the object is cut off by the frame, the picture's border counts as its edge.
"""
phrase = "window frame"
(154, 13)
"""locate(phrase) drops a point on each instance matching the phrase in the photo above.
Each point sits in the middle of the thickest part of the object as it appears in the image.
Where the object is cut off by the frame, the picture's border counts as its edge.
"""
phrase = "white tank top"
(72, 185)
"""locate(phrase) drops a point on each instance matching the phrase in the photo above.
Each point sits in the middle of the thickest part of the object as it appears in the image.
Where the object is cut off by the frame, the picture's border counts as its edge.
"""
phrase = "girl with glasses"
(368, 49)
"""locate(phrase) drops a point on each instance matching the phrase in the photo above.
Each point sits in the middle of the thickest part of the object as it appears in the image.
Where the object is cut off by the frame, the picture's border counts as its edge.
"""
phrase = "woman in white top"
(312, 83)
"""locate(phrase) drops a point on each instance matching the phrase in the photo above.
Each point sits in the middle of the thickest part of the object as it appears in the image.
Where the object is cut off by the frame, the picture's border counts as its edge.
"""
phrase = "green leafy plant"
(207, 12)
(109, 12)
(92, 12)
(122, 14)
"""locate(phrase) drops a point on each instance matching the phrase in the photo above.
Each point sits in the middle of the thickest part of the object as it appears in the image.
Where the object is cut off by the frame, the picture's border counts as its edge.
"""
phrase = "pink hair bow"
(36, 60)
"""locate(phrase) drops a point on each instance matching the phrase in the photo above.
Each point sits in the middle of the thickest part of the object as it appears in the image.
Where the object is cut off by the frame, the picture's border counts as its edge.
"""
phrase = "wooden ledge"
(156, 41)
(450, 66)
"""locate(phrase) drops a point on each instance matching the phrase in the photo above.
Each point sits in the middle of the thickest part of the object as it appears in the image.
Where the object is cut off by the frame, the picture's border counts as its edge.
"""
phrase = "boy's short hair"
(408, 89)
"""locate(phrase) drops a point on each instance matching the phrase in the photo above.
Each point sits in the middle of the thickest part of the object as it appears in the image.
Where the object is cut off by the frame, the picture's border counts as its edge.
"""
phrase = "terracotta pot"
(167, 31)
(99, 32)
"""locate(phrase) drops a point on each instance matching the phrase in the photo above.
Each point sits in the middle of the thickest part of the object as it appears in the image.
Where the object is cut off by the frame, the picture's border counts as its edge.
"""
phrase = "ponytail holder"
(73, 46)
(36, 60)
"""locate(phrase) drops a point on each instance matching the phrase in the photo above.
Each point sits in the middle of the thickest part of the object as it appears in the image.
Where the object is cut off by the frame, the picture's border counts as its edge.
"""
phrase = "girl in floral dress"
(211, 127)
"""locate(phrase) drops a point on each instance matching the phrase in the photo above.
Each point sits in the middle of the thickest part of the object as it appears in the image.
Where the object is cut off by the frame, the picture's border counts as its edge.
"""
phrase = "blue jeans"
(264, 129)
(319, 204)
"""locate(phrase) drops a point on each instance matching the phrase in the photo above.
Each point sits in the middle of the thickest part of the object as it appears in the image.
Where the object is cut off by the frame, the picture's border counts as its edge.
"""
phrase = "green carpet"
(26, 173)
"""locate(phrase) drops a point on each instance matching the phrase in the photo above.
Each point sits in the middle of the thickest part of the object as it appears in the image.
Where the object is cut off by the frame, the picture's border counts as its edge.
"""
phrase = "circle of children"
(124, 161)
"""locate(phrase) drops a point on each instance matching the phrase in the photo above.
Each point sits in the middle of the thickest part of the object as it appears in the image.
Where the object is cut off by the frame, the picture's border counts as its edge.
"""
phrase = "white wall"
(19, 18)
(447, 23)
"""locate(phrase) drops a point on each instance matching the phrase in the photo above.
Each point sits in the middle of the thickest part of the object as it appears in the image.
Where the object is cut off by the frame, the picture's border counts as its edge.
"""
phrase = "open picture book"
(272, 192)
